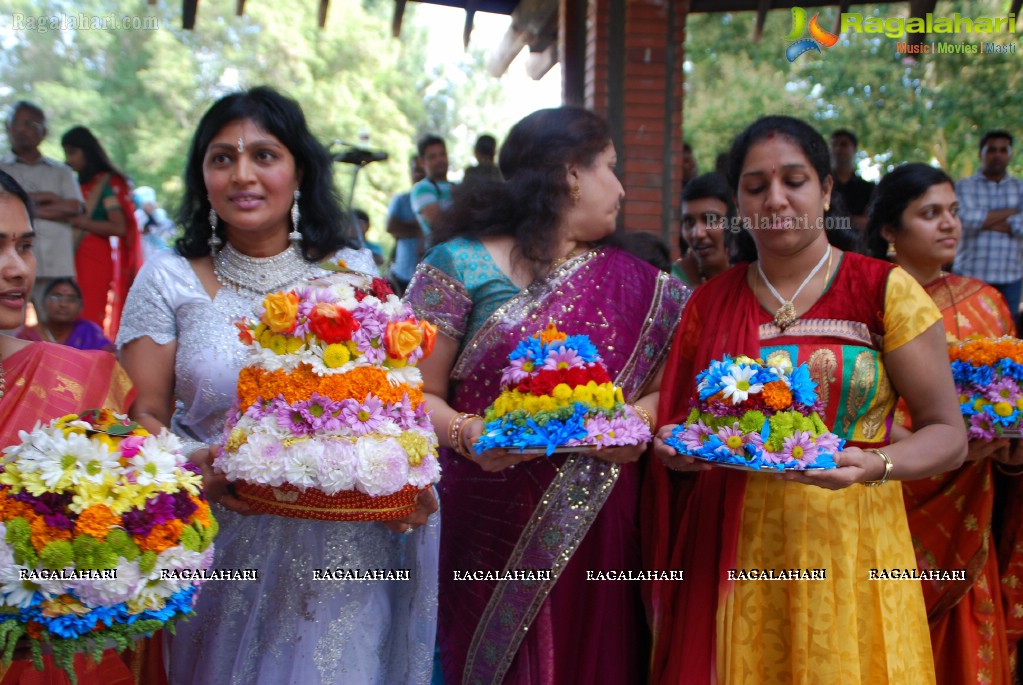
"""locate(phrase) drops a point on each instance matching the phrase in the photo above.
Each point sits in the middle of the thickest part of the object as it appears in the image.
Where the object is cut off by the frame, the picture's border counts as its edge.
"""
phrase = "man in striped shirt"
(990, 202)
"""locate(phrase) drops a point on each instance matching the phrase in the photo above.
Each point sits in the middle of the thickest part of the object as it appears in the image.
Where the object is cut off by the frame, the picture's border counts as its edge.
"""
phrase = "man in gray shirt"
(56, 195)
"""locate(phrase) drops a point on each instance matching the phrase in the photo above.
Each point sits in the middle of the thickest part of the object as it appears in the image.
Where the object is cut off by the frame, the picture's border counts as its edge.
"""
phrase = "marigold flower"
(777, 395)
(162, 536)
(96, 520)
(551, 334)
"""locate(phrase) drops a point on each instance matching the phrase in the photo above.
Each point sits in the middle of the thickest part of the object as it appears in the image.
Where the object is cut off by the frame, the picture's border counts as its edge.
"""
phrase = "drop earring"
(214, 242)
(295, 236)
(891, 253)
(576, 193)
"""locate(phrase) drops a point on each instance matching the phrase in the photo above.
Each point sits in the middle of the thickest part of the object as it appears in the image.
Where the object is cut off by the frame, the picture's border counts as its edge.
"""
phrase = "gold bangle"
(458, 422)
(1007, 472)
(888, 466)
(646, 416)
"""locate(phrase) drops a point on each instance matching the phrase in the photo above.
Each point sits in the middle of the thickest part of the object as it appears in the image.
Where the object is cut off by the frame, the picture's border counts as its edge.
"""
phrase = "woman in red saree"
(915, 215)
(868, 333)
(40, 382)
(516, 256)
(104, 274)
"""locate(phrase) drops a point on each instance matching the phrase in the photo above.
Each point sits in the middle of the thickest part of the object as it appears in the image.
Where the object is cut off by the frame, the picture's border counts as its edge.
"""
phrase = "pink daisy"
(732, 440)
(364, 417)
(514, 373)
(562, 358)
(1005, 390)
(981, 427)
(695, 435)
(600, 432)
(800, 448)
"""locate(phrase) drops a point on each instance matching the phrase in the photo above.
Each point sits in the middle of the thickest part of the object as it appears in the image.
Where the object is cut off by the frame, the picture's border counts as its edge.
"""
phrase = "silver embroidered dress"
(286, 627)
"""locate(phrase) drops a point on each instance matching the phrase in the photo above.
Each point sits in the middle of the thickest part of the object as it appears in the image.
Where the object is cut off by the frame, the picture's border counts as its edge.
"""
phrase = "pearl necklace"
(259, 275)
(3, 381)
(786, 314)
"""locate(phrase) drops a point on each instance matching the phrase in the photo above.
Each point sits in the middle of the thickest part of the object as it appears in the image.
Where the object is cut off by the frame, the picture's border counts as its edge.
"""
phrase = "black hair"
(486, 145)
(893, 194)
(11, 187)
(848, 134)
(63, 280)
(687, 147)
(426, 141)
(995, 133)
(814, 147)
(96, 159)
(648, 247)
(529, 203)
(30, 106)
(361, 214)
(322, 222)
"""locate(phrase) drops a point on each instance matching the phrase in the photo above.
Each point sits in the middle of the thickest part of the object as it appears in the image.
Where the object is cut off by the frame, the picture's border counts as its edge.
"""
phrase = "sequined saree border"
(567, 511)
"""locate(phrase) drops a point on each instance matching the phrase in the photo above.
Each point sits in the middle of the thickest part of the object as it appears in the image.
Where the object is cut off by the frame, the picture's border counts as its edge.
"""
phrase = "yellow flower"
(562, 391)
(294, 345)
(278, 343)
(619, 396)
(336, 355)
(281, 312)
(551, 334)
(531, 404)
(545, 403)
(415, 445)
(1003, 408)
(979, 403)
(265, 337)
(236, 439)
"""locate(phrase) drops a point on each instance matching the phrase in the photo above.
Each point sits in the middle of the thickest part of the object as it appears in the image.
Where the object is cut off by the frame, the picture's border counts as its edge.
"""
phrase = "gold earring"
(827, 206)
(891, 253)
(576, 193)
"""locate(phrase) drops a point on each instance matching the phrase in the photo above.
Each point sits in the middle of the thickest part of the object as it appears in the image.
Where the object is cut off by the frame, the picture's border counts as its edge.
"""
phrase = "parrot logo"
(819, 38)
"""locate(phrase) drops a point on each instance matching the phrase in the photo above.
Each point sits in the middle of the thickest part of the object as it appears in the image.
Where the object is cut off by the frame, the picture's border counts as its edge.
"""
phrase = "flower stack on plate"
(331, 423)
(104, 536)
(757, 416)
(557, 396)
(988, 373)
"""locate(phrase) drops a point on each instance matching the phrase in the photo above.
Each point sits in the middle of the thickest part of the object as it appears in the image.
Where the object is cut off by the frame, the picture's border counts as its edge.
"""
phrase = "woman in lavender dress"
(253, 169)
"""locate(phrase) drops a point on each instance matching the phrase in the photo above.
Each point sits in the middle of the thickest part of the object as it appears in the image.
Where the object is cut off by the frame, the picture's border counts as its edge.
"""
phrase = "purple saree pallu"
(567, 514)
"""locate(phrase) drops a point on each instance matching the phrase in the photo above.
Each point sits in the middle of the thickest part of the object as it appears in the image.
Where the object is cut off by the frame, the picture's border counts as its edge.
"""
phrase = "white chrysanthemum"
(395, 309)
(96, 592)
(36, 449)
(14, 591)
(382, 467)
(260, 460)
(177, 559)
(389, 428)
(302, 463)
(98, 463)
(6, 551)
(269, 427)
(737, 384)
(168, 442)
(781, 366)
(337, 467)
(153, 465)
(426, 473)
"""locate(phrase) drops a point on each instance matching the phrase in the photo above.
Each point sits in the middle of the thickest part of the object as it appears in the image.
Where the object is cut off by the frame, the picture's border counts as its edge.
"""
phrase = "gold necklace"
(786, 315)
(3, 380)
(576, 251)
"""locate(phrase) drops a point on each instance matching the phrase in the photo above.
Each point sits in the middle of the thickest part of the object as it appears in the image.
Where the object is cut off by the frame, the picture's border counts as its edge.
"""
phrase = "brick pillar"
(633, 76)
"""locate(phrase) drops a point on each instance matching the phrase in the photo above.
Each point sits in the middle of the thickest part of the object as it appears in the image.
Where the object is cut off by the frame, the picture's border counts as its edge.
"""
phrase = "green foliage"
(932, 109)
(121, 543)
(57, 555)
(147, 562)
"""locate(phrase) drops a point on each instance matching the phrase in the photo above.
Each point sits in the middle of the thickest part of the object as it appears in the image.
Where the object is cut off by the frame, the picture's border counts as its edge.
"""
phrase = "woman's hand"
(625, 454)
(671, 458)
(854, 466)
(981, 449)
(426, 505)
(215, 484)
(493, 460)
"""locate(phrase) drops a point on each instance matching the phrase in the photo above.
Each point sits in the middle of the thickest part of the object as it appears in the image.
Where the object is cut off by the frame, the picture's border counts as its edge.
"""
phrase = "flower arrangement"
(93, 511)
(764, 416)
(557, 393)
(330, 421)
(988, 373)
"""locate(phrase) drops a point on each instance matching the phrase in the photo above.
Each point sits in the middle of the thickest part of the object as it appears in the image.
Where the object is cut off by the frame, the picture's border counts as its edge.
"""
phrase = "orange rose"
(429, 337)
(402, 338)
(281, 313)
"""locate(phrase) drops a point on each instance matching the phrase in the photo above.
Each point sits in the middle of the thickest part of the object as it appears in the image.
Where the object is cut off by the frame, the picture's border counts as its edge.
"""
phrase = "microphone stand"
(359, 158)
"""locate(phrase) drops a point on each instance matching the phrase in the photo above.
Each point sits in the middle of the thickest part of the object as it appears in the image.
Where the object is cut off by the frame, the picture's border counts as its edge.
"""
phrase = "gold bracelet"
(1007, 472)
(458, 422)
(888, 466)
(646, 416)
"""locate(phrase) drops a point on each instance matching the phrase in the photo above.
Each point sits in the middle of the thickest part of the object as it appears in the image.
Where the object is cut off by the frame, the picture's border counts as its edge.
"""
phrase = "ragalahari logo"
(819, 38)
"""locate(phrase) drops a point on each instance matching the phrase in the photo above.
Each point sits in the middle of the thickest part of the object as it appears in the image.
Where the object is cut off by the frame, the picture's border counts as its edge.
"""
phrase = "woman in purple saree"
(514, 257)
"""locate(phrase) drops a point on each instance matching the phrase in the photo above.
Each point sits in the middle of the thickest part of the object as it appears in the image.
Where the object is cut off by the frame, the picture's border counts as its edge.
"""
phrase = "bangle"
(463, 449)
(646, 416)
(458, 422)
(887, 468)
(1008, 472)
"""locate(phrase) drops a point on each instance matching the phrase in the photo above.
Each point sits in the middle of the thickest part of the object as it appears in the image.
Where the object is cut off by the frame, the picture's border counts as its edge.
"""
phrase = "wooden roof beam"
(758, 29)
(321, 14)
(189, 8)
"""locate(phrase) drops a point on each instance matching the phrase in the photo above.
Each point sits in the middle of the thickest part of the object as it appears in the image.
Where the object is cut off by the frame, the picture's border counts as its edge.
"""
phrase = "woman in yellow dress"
(869, 334)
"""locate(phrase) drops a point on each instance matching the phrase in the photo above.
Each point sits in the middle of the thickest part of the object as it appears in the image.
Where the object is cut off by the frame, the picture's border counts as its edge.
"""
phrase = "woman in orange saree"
(914, 220)
(40, 382)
